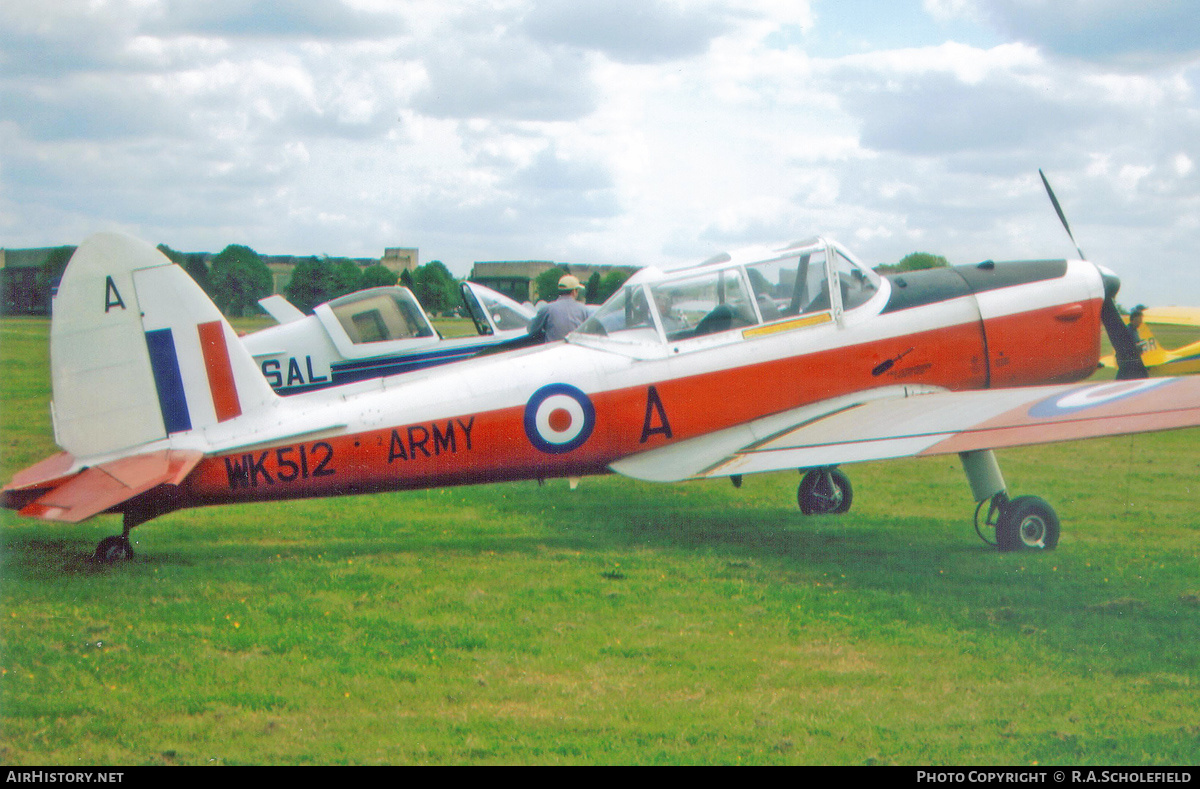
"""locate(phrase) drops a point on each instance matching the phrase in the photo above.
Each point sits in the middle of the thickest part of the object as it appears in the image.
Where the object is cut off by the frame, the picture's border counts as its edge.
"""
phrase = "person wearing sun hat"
(1129, 360)
(1136, 315)
(560, 317)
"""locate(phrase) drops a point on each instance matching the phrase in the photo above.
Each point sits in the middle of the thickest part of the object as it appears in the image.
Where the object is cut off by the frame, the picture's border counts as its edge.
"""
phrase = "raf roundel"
(559, 418)
(1091, 396)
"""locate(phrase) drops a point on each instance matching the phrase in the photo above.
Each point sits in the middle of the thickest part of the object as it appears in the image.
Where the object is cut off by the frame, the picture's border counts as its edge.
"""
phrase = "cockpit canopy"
(380, 315)
(811, 277)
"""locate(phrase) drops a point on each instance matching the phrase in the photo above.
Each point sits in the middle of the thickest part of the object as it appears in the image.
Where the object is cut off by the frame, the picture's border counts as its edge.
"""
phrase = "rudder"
(138, 352)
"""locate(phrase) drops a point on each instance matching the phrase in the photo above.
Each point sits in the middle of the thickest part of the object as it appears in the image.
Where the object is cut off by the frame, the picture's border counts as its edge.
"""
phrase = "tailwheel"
(114, 549)
(118, 548)
(824, 491)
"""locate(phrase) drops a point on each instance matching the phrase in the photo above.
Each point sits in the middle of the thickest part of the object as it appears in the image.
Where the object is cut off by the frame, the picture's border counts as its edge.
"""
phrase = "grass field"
(618, 623)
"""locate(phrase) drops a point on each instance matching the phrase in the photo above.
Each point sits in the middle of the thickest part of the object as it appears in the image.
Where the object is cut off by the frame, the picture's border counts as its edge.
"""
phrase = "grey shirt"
(559, 317)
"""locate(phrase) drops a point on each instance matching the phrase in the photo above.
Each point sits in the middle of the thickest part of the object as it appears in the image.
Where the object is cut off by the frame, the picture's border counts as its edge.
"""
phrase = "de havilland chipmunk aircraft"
(372, 333)
(796, 357)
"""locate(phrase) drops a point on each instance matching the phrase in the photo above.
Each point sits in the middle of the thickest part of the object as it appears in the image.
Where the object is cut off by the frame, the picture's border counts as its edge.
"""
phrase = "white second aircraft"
(373, 333)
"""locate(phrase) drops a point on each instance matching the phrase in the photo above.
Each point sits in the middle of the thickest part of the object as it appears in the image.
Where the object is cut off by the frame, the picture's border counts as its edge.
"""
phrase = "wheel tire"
(114, 549)
(824, 492)
(1027, 523)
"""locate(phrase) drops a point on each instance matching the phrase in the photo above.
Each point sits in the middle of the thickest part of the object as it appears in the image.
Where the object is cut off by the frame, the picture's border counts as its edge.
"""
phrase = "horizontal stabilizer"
(282, 310)
(107, 485)
(45, 474)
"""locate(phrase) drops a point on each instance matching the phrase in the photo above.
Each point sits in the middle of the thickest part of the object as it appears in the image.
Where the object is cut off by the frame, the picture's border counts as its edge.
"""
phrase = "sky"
(631, 132)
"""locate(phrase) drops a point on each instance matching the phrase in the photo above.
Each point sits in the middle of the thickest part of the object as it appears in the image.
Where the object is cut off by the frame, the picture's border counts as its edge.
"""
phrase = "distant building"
(400, 259)
(517, 279)
(28, 277)
(514, 278)
(397, 259)
(282, 266)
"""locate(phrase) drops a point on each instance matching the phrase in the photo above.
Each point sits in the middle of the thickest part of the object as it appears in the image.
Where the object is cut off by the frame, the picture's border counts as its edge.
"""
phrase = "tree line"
(597, 289)
(237, 277)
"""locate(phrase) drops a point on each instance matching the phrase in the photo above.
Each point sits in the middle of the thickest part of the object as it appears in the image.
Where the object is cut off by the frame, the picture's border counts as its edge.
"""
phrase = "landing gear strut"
(824, 491)
(118, 548)
(1023, 523)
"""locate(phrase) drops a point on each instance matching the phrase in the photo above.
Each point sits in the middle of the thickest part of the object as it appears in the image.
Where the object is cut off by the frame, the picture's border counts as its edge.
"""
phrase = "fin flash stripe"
(220, 371)
(168, 381)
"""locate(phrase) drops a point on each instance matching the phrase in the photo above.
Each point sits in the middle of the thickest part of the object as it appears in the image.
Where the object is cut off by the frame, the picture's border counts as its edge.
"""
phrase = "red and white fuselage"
(573, 408)
(188, 420)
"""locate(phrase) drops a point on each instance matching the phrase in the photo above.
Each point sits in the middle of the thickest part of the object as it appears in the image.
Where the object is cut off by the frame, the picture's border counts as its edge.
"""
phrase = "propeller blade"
(1061, 216)
(1129, 355)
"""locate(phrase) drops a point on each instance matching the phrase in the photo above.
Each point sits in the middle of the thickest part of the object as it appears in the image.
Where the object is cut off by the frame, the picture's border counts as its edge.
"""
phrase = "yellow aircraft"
(1158, 360)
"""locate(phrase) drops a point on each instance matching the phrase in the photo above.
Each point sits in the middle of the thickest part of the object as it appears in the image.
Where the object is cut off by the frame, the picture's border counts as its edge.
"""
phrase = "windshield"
(488, 308)
(799, 283)
(476, 310)
(790, 285)
(625, 317)
(858, 284)
(504, 315)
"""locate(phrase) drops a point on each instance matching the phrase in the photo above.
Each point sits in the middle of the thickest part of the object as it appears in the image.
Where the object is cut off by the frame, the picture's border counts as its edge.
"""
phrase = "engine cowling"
(1041, 319)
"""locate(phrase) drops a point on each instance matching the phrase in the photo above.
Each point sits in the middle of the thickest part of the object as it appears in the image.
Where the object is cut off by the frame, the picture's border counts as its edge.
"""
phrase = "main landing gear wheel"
(114, 549)
(1025, 523)
(824, 491)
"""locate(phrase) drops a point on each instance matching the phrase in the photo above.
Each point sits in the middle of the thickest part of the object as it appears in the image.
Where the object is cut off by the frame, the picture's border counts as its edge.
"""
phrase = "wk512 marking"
(284, 464)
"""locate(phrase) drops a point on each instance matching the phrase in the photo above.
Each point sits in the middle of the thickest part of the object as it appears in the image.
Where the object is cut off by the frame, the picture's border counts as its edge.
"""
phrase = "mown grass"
(618, 623)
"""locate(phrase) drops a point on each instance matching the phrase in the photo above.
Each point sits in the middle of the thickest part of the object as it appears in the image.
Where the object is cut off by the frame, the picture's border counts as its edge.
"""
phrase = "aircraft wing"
(906, 421)
(1176, 316)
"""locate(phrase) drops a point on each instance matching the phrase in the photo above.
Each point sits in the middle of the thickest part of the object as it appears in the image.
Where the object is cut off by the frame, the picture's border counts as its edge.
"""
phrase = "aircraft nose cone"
(1112, 283)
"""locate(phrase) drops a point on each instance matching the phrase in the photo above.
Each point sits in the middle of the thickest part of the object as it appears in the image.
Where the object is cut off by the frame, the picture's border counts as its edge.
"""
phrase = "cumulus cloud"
(505, 77)
(943, 112)
(47, 40)
(554, 186)
(634, 132)
(551, 172)
(1150, 33)
(628, 31)
(311, 19)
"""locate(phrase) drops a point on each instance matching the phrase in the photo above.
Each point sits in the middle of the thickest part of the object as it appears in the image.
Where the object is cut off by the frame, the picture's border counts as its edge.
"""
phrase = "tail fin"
(138, 352)
(1152, 353)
